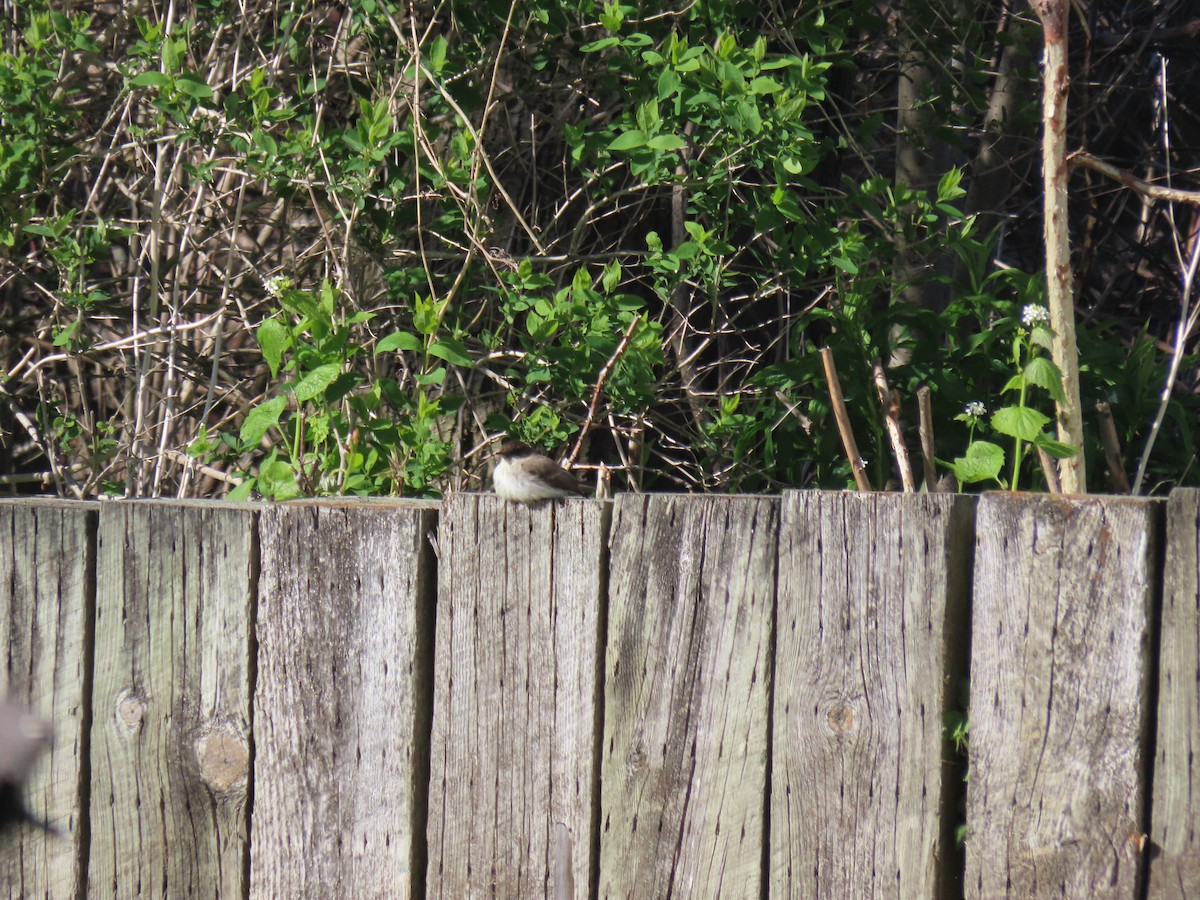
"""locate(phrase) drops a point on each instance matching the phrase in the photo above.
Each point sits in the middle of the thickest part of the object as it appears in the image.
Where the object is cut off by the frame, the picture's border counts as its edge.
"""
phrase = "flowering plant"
(984, 460)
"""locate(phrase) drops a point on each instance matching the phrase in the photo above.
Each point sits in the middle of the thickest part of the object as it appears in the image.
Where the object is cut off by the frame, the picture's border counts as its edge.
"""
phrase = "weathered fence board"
(1175, 816)
(512, 785)
(1060, 665)
(47, 584)
(730, 696)
(687, 693)
(871, 642)
(342, 703)
(171, 700)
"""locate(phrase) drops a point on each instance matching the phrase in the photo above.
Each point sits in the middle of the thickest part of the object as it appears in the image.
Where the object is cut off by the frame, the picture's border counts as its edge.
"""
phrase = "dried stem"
(925, 429)
(1112, 449)
(843, 421)
(890, 401)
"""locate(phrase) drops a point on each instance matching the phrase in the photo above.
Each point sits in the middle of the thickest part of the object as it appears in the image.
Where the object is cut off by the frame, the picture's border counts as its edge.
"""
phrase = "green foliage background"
(297, 248)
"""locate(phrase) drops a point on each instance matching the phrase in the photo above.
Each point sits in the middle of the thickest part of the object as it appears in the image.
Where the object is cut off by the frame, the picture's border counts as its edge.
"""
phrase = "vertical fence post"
(1060, 695)
(341, 707)
(516, 711)
(871, 646)
(687, 696)
(515, 715)
(171, 702)
(47, 585)
(1175, 812)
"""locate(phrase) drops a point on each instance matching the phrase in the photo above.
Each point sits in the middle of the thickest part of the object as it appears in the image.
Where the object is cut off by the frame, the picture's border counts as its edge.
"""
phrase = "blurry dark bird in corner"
(525, 476)
(23, 738)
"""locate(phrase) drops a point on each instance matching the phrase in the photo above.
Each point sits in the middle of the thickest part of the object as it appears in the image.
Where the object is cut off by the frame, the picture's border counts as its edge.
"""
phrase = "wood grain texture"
(1060, 666)
(171, 704)
(47, 595)
(686, 697)
(871, 644)
(1175, 808)
(341, 707)
(516, 699)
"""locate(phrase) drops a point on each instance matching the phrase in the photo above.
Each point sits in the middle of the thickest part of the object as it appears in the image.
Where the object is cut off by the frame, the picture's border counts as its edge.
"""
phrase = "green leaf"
(1044, 373)
(434, 376)
(630, 140)
(667, 142)
(399, 340)
(983, 462)
(1054, 448)
(668, 83)
(425, 317)
(260, 420)
(437, 53)
(150, 79)
(277, 480)
(611, 277)
(1020, 422)
(194, 86)
(1043, 337)
(316, 381)
(602, 44)
(273, 338)
(451, 351)
(764, 85)
(242, 491)
(64, 337)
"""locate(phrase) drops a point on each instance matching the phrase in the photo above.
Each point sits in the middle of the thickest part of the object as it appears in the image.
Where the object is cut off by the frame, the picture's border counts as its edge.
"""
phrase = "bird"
(525, 476)
(23, 738)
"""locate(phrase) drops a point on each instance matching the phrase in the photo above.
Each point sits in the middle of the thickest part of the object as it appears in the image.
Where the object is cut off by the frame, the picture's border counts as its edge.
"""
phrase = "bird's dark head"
(513, 450)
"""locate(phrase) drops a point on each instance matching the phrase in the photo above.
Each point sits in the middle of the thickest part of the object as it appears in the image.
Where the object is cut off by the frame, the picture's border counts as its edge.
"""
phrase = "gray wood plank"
(516, 706)
(47, 592)
(341, 706)
(871, 642)
(686, 697)
(171, 703)
(1060, 667)
(1175, 808)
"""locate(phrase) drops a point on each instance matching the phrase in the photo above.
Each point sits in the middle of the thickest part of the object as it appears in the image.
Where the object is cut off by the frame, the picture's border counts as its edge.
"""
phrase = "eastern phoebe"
(525, 476)
(23, 738)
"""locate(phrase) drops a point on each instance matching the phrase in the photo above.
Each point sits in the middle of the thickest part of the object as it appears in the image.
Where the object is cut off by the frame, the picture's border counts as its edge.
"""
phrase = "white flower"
(976, 409)
(1034, 315)
(277, 285)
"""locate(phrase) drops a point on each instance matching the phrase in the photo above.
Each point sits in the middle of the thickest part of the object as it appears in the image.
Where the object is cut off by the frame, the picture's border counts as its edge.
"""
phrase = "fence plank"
(171, 705)
(515, 726)
(1060, 665)
(341, 708)
(1175, 811)
(687, 682)
(871, 646)
(47, 592)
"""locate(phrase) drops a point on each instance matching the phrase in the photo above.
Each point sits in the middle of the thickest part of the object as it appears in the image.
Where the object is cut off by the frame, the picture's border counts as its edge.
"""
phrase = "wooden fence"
(662, 696)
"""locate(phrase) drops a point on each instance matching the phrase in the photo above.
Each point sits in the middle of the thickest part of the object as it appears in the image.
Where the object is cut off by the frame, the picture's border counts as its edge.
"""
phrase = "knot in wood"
(636, 760)
(840, 718)
(224, 757)
(131, 711)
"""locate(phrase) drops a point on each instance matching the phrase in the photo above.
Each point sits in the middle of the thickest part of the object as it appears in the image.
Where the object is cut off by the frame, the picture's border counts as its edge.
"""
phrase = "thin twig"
(843, 421)
(600, 379)
(925, 429)
(1145, 188)
(185, 460)
(1187, 321)
(890, 401)
(1112, 449)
